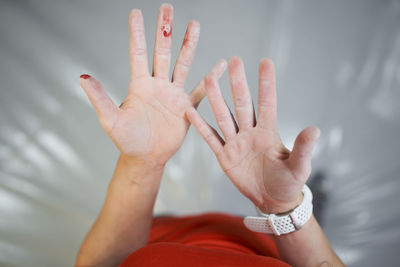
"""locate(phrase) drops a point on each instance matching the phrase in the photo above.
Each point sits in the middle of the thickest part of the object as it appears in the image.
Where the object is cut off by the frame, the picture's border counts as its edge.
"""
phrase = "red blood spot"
(185, 41)
(166, 29)
(85, 76)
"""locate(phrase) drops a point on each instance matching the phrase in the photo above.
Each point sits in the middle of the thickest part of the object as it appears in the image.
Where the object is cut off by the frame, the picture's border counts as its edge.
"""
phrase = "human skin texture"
(151, 124)
(253, 157)
(147, 128)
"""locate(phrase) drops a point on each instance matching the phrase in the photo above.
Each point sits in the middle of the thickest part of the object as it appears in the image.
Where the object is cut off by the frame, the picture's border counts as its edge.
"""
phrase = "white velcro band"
(284, 224)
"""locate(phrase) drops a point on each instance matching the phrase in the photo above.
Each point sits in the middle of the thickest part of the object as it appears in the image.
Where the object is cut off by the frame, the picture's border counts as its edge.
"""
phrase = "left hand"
(252, 154)
(150, 124)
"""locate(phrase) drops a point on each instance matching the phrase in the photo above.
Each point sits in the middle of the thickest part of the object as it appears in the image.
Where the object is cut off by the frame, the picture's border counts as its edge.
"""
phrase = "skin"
(147, 128)
(153, 105)
(253, 157)
(150, 125)
(251, 153)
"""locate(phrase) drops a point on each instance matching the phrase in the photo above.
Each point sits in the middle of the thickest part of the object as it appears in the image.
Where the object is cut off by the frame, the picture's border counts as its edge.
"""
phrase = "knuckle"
(266, 104)
(209, 77)
(138, 34)
(265, 82)
(239, 83)
(184, 63)
(242, 101)
(221, 118)
(189, 42)
(179, 82)
(162, 51)
(139, 51)
(208, 137)
(138, 30)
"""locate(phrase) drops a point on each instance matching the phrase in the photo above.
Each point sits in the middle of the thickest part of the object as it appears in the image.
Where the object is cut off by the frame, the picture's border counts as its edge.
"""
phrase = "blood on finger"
(166, 30)
(166, 26)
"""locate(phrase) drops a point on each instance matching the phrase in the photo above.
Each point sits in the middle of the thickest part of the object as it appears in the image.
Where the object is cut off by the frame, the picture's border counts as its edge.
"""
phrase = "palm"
(150, 124)
(151, 119)
(256, 161)
(252, 154)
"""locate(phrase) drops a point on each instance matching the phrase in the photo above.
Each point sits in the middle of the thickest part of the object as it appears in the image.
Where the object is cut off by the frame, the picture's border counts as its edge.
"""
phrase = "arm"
(147, 128)
(307, 247)
(258, 164)
(124, 222)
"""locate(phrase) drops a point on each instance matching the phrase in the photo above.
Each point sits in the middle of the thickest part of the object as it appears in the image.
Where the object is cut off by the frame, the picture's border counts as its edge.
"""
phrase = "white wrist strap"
(282, 224)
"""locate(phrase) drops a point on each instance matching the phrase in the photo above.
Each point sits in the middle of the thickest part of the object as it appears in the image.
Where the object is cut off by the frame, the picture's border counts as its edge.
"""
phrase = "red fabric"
(210, 239)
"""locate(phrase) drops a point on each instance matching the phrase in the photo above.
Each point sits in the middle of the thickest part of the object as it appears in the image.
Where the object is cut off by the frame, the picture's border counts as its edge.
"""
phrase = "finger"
(266, 110)
(241, 95)
(137, 45)
(221, 111)
(300, 157)
(105, 108)
(208, 133)
(162, 48)
(186, 54)
(199, 92)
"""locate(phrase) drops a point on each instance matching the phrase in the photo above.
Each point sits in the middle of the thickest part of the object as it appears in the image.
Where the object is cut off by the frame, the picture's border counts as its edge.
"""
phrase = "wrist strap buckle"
(285, 223)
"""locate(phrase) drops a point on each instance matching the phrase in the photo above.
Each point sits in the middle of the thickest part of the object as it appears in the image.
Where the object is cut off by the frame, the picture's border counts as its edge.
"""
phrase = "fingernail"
(85, 76)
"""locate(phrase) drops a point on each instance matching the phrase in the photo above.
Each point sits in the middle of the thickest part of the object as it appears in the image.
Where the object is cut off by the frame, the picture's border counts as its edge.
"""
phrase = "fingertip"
(219, 68)
(83, 78)
(309, 135)
(134, 13)
(194, 24)
(316, 132)
(234, 60)
(167, 6)
(235, 67)
(193, 29)
(266, 66)
(222, 64)
(266, 60)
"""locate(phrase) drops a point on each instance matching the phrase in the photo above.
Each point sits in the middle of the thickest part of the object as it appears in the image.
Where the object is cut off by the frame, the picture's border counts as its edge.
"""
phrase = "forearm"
(307, 247)
(125, 220)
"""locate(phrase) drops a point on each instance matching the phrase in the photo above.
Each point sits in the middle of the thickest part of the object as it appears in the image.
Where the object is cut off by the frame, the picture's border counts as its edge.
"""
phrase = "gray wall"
(338, 66)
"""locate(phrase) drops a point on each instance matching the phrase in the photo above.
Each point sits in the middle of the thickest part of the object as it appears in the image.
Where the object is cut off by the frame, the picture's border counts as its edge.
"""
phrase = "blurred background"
(338, 67)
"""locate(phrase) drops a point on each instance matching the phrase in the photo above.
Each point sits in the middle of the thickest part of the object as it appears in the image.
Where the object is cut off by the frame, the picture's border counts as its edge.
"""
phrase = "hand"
(252, 154)
(150, 125)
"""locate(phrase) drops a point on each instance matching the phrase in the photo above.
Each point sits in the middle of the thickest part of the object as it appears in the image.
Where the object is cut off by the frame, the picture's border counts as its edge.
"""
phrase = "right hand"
(252, 154)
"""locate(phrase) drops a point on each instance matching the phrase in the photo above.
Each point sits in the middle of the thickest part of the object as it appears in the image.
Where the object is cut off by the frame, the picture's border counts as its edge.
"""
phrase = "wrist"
(142, 162)
(283, 219)
(279, 207)
(137, 171)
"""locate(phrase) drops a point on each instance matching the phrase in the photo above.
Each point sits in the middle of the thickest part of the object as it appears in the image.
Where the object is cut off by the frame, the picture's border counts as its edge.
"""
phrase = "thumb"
(300, 157)
(105, 108)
